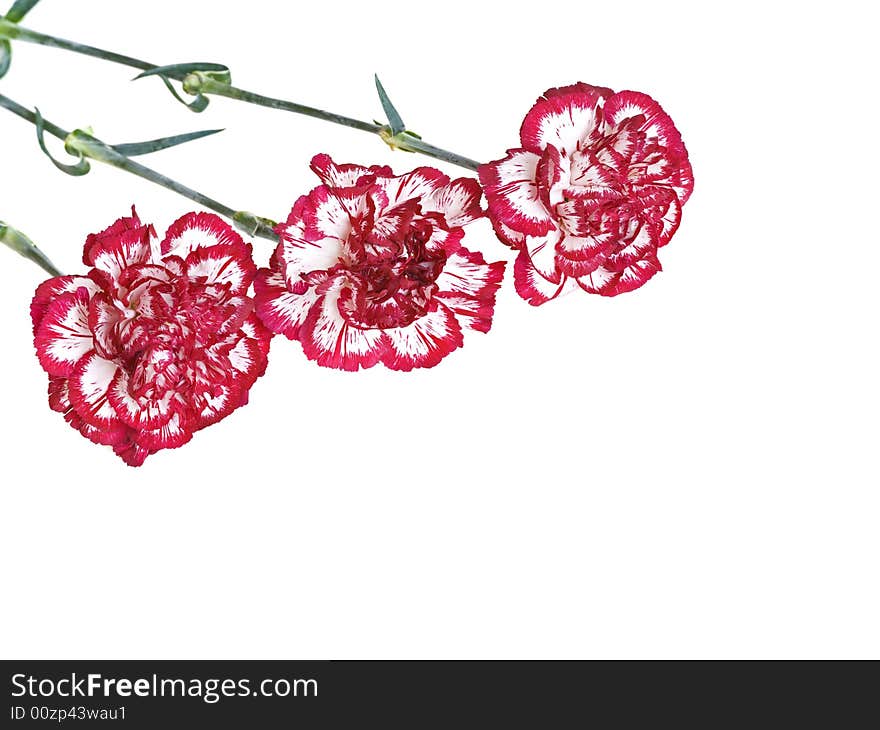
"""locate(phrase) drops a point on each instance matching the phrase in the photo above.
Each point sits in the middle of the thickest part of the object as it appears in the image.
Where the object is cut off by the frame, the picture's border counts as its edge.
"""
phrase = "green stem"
(13, 31)
(414, 144)
(22, 245)
(208, 86)
(92, 148)
(198, 83)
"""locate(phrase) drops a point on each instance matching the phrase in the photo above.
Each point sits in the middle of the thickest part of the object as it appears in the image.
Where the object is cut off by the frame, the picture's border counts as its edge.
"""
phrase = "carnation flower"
(595, 190)
(158, 340)
(370, 268)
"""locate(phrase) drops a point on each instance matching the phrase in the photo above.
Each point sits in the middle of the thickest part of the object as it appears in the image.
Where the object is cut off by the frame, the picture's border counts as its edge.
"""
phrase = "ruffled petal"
(458, 202)
(566, 119)
(392, 224)
(579, 88)
(512, 193)
(132, 453)
(217, 406)
(551, 176)
(542, 252)
(328, 339)
(421, 184)
(59, 397)
(293, 237)
(117, 228)
(104, 317)
(248, 360)
(576, 256)
(425, 342)
(315, 233)
(669, 221)
(529, 283)
(281, 310)
(123, 244)
(669, 161)
(610, 283)
(112, 435)
(88, 387)
(468, 286)
(507, 235)
(137, 412)
(50, 290)
(171, 435)
(584, 248)
(641, 243)
(448, 241)
(228, 263)
(345, 175)
(63, 336)
(254, 328)
(193, 230)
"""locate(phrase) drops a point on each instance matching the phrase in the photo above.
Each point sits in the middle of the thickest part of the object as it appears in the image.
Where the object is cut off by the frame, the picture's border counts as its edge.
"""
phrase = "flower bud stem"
(84, 144)
(195, 83)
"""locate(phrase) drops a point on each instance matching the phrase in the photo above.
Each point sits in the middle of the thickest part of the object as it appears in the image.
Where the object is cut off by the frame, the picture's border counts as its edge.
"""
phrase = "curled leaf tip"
(192, 77)
(80, 167)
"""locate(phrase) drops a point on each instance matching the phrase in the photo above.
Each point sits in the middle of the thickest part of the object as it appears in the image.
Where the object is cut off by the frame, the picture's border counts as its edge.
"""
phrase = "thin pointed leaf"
(394, 120)
(178, 70)
(5, 56)
(154, 145)
(23, 246)
(82, 165)
(198, 104)
(19, 9)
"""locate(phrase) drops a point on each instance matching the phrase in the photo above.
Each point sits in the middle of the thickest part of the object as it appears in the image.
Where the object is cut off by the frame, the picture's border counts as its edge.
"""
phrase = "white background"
(684, 471)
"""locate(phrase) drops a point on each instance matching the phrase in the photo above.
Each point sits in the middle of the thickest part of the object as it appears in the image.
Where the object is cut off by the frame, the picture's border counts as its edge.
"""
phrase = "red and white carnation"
(157, 340)
(595, 190)
(370, 269)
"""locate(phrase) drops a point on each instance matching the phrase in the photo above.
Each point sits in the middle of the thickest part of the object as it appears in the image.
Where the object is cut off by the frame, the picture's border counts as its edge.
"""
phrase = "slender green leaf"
(394, 120)
(5, 56)
(154, 145)
(19, 9)
(82, 165)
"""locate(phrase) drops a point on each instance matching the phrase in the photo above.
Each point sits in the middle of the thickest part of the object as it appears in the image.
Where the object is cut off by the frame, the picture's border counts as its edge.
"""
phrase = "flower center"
(394, 282)
(172, 355)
